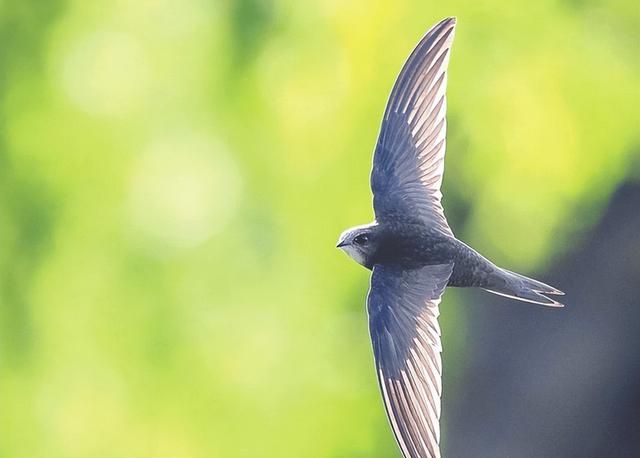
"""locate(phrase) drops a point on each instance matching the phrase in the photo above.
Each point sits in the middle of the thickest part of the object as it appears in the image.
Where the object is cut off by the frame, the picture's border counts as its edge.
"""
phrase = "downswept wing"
(408, 162)
(403, 323)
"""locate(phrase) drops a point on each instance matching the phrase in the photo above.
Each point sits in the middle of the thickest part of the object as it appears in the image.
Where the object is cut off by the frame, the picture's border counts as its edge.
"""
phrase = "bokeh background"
(174, 176)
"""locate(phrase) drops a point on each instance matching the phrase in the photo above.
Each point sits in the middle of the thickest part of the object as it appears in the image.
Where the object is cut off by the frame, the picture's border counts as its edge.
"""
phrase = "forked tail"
(516, 286)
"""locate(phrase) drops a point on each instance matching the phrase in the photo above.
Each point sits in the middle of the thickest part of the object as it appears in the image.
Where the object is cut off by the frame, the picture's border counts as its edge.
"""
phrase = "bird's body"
(414, 245)
(412, 251)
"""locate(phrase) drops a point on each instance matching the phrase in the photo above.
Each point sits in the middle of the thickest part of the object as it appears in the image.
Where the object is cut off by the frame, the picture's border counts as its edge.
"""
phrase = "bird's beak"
(341, 243)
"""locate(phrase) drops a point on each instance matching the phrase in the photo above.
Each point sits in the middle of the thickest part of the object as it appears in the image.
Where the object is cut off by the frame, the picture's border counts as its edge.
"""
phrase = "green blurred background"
(174, 176)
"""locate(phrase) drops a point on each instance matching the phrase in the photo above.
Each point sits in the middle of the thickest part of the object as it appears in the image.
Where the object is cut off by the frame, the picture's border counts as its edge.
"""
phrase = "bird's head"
(360, 243)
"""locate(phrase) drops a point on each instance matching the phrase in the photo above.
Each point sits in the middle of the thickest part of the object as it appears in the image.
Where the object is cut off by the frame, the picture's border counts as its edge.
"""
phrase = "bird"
(412, 252)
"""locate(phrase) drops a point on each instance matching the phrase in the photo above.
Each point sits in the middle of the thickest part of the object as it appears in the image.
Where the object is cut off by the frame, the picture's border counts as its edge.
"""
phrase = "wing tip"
(445, 28)
(448, 22)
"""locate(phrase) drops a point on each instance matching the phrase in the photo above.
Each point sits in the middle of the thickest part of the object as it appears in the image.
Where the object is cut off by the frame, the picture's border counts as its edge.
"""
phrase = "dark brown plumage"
(412, 251)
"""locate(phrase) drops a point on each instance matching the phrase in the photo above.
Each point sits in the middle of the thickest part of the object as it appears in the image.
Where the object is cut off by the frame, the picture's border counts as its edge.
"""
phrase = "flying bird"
(412, 251)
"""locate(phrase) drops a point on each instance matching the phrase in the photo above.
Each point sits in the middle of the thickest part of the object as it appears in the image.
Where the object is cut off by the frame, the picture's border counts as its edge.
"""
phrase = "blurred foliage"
(174, 174)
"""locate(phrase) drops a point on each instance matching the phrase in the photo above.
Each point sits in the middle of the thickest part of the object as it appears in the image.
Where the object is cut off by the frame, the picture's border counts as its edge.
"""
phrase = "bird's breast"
(414, 248)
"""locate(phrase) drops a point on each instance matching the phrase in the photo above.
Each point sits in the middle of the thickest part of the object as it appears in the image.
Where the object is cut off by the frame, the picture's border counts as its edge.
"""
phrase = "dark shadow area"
(559, 383)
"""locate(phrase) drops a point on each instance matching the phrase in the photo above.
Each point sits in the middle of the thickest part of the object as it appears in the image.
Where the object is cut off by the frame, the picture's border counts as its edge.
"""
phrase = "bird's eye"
(361, 239)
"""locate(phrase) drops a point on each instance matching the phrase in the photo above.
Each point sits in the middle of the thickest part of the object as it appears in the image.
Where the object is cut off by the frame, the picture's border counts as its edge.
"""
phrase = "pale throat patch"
(354, 253)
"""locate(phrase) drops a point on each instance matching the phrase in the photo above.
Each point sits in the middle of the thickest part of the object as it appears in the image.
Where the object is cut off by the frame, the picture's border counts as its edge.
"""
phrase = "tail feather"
(519, 287)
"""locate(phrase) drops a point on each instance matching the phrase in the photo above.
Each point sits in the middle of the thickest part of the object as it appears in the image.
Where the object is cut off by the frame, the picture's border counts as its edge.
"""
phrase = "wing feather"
(408, 161)
(403, 322)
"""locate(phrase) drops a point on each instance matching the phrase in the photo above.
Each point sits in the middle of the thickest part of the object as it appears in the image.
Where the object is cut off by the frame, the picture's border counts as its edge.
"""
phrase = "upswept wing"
(403, 322)
(408, 161)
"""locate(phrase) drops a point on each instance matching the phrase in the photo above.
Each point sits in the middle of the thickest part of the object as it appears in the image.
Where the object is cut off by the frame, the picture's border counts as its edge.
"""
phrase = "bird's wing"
(408, 162)
(403, 322)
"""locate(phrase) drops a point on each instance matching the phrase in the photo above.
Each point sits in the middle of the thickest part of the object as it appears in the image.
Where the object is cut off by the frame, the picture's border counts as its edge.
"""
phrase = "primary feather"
(403, 322)
(408, 162)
